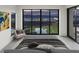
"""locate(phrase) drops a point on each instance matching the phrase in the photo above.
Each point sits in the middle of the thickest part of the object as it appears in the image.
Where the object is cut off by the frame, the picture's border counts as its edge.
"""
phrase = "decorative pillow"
(19, 34)
(19, 31)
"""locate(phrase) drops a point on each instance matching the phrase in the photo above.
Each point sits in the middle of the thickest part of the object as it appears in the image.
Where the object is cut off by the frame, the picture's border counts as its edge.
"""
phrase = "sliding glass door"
(27, 20)
(77, 23)
(54, 21)
(45, 22)
(41, 21)
(71, 20)
(35, 21)
(73, 23)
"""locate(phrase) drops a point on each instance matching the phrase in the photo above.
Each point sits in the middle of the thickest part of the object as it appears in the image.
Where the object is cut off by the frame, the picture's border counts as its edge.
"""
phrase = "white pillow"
(45, 46)
(24, 48)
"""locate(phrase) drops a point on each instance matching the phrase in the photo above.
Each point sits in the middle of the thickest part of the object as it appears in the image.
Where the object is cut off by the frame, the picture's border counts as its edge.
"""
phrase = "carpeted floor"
(55, 42)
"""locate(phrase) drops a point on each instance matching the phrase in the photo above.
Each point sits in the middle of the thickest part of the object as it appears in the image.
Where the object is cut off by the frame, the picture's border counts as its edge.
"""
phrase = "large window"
(41, 21)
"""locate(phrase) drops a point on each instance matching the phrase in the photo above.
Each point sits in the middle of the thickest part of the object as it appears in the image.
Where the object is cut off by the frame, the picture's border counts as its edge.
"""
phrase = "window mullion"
(31, 21)
(40, 20)
(49, 21)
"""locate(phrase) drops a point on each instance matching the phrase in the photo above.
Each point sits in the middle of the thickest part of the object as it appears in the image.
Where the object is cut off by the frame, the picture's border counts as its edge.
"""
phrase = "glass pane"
(27, 21)
(72, 22)
(54, 21)
(35, 21)
(13, 23)
(77, 24)
(45, 22)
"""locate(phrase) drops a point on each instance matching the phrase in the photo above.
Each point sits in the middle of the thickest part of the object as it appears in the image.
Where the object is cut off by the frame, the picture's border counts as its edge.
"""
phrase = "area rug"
(55, 42)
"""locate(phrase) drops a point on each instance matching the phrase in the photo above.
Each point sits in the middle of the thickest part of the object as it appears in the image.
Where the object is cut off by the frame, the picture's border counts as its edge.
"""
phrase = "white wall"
(5, 35)
(62, 15)
(63, 21)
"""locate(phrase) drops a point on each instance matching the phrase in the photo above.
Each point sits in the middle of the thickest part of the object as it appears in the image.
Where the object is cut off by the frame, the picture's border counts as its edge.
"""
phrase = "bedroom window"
(41, 21)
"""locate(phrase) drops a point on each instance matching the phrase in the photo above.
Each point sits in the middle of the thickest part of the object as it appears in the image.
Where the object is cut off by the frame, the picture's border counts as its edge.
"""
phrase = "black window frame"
(40, 21)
